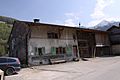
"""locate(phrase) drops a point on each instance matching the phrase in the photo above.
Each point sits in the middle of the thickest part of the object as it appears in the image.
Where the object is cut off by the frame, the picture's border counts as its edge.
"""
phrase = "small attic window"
(52, 35)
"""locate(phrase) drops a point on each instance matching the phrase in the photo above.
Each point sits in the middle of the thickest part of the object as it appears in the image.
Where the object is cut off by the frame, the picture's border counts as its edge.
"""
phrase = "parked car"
(9, 65)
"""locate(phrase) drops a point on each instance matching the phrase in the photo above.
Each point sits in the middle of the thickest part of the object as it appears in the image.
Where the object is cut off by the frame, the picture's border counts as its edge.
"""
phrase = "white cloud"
(72, 15)
(69, 22)
(99, 8)
(69, 14)
(98, 15)
(71, 19)
(93, 23)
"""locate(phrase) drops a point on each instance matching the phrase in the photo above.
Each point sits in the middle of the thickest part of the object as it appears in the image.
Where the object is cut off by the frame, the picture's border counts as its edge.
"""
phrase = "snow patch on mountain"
(105, 25)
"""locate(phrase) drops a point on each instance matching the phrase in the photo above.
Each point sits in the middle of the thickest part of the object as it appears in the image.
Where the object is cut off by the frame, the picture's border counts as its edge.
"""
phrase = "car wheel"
(9, 71)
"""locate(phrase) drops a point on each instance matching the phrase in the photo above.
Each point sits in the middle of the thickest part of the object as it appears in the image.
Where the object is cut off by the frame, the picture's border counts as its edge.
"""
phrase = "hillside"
(7, 20)
(5, 29)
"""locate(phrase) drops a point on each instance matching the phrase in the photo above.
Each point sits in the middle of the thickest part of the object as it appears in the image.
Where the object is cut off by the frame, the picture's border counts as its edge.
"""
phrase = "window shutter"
(53, 50)
(43, 50)
(69, 50)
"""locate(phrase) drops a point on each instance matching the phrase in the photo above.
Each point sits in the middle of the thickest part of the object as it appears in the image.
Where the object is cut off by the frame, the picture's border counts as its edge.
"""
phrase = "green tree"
(5, 30)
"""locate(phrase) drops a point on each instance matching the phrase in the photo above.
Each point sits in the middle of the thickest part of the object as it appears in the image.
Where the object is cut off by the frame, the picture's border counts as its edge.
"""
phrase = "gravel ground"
(93, 69)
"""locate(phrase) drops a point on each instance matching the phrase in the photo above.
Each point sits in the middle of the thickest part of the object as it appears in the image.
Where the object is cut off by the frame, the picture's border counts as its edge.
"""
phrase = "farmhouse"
(38, 43)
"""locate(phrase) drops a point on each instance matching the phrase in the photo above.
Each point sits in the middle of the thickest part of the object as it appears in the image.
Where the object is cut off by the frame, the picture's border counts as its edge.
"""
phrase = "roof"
(63, 26)
(113, 27)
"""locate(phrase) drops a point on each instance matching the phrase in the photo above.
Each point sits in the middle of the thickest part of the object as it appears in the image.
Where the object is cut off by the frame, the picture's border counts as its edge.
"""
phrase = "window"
(11, 60)
(41, 51)
(52, 35)
(74, 37)
(3, 60)
(64, 50)
(59, 50)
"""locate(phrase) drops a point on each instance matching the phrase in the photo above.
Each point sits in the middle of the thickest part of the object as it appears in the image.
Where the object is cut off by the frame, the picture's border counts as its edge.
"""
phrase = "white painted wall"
(48, 43)
(39, 38)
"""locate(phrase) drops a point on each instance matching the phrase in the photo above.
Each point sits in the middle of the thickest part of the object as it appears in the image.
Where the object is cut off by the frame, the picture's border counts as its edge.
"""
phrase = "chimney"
(36, 20)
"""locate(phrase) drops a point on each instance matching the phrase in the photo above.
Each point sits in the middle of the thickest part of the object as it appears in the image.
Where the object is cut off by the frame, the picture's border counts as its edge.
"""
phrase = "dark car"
(9, 65)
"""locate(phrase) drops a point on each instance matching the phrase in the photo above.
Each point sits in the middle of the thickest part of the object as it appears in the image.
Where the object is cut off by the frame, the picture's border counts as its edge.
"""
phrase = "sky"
(62, 12)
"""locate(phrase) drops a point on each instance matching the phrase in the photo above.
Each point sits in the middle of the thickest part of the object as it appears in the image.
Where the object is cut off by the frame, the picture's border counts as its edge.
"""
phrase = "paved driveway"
(106, 68)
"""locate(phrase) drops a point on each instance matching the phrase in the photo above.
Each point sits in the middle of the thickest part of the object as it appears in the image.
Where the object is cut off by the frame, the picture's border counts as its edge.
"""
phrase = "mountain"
(7, 20)
(105, 25)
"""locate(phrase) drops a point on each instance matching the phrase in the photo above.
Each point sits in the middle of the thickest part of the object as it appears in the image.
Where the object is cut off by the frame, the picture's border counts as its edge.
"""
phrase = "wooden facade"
(102, 44)
(86, 43)
(114, 35)
(36, 43)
